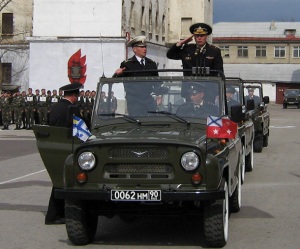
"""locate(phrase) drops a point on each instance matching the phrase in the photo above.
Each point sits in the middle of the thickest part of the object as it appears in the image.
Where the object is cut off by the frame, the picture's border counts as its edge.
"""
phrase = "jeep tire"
(258, 143)
(249, 162)
(215, 221)
(81, 223)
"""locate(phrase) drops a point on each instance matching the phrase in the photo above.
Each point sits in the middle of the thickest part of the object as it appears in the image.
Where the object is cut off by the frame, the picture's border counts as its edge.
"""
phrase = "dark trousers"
(56, 208)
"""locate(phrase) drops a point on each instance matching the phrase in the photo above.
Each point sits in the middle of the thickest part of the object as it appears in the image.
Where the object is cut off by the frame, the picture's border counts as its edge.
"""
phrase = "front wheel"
(258, 143)
(236, 198)
(249, 164)
(81, 223)
(266, 140)
(215, 221)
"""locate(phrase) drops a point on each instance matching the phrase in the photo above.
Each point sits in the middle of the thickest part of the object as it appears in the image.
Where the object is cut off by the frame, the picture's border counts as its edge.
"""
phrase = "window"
(6, 72)
(185, 26)
(225, 51)
(7, 23)
(261, 51)
(296, 52)
(242, 51)
(279, 52)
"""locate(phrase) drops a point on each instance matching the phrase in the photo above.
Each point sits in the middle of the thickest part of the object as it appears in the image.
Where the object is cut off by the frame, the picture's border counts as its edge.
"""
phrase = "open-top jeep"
(260, 115)
(156, 162)
(246, 126)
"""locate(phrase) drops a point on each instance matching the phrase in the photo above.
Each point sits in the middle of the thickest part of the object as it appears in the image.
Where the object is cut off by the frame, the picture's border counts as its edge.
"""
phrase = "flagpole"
(73, 135)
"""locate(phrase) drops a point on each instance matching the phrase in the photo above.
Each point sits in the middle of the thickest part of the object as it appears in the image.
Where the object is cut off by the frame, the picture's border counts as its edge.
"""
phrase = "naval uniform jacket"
(61, 115)
(138, 96)
(191, 56)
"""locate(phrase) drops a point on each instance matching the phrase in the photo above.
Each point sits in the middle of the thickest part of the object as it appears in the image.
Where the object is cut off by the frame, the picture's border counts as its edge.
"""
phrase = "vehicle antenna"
(101, 39)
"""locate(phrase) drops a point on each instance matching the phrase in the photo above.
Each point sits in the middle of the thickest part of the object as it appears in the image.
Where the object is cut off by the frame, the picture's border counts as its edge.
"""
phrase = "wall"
(72, 18)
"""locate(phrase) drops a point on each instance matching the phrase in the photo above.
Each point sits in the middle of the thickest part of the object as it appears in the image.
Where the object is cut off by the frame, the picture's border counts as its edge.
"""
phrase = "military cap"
(230, 89)
(196, 89)
(73, 87)
(139, 41)
(200, 29)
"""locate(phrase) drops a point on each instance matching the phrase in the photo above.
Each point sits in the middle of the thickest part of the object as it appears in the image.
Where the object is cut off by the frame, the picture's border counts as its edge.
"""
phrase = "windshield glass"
(186, 99)
(290, 92)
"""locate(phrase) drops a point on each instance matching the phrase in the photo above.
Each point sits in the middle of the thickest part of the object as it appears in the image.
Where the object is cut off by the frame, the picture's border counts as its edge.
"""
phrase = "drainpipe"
(127, 35)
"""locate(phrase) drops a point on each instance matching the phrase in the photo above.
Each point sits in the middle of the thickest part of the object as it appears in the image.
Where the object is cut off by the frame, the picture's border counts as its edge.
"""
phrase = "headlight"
(86, 160)
(190, 161)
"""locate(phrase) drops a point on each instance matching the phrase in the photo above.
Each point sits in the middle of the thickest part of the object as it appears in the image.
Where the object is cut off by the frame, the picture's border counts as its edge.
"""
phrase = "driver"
(197, 107)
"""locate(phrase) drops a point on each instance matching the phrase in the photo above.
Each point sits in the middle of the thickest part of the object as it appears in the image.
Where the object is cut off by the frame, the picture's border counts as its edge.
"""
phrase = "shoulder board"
(150, 60)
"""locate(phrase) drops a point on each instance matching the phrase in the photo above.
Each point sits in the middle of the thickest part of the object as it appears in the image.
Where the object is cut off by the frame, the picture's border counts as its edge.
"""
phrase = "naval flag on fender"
(220, 127)
(80, 129)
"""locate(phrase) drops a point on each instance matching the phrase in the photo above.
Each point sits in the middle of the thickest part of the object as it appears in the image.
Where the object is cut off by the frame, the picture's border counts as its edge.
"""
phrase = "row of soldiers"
(27, 109)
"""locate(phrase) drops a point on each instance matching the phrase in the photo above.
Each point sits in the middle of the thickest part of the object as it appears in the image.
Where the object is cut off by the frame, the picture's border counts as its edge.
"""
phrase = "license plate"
(135, 195)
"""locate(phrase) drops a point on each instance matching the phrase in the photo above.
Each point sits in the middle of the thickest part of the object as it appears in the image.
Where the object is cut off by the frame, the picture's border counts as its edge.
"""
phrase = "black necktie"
(142, 63)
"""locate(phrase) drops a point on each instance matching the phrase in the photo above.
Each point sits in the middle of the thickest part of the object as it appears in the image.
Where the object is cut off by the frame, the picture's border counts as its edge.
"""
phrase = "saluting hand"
(185, 41)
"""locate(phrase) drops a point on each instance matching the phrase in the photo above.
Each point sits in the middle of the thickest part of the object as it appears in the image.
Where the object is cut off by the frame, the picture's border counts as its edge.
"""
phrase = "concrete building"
(265, 51)
(16, 26)
(100, 29)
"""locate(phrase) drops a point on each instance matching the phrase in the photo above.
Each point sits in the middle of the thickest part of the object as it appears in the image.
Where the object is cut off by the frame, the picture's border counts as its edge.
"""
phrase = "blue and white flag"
(80, 129)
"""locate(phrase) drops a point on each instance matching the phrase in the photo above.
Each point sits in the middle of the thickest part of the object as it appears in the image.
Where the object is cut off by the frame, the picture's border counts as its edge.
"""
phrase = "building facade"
(269, 52)
(16, 27)
(100, 29)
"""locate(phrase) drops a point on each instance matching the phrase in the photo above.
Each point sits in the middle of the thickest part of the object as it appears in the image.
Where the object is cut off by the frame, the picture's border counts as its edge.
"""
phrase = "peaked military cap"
(139, 41)
(230, 89)
(196, 89)
(73, 87)
(201, 29)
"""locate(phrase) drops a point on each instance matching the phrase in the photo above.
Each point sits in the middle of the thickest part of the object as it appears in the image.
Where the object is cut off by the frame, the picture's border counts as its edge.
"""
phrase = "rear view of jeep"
(291, 97)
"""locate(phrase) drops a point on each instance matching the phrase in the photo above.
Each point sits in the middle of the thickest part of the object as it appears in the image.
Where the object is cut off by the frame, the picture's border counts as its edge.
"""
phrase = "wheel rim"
(243, 164)
(251, 155)
(225, 213)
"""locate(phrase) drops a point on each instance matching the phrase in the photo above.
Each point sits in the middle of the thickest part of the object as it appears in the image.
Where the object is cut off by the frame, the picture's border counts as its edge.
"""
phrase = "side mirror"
(237, 113)
(250, 105)
(266, 99)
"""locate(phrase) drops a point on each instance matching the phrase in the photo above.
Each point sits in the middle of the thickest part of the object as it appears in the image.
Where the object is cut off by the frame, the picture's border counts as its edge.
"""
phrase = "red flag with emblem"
(220, 127)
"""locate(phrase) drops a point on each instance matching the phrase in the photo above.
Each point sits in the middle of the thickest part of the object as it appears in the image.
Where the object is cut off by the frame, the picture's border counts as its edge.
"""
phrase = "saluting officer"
(200, 54)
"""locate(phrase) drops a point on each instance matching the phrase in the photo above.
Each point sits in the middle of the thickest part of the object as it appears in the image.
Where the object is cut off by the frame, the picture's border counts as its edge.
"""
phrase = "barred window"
(7, 23)
(261, 51)
(6, 72)
(242, 51)
(279, 52)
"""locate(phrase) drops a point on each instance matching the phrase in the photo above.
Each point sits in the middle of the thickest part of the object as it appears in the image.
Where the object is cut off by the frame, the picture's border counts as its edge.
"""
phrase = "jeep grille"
(139, 152)
(138, 171)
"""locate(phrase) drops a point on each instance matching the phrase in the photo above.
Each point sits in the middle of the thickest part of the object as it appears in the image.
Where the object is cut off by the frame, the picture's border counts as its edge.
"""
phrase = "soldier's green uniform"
(43, 104)
(6, 110)
(18, 104)
(30, 107)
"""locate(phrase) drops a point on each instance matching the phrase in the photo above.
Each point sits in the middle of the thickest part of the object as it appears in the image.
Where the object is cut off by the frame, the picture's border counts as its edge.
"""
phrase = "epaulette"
(150, 60)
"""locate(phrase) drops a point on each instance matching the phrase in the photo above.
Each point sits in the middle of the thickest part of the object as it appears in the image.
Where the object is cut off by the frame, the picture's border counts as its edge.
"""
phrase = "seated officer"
(197, 107)
(252, 96)
(230, 91)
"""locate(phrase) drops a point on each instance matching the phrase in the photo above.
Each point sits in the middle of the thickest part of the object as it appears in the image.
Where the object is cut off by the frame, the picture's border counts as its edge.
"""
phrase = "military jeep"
(152, 163)
(260, 114)
(291, 97)
(246, 126)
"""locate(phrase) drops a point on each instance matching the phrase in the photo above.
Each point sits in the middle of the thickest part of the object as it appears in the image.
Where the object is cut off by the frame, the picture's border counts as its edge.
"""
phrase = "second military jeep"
(155, 162)
(291, 97)
(260, 114)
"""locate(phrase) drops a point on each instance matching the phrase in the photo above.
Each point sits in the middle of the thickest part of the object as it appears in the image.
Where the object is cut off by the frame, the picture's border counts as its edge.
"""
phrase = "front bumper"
(105, 195)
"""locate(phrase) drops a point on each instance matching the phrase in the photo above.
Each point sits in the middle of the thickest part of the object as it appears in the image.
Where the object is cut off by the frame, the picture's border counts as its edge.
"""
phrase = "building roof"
(255, 29)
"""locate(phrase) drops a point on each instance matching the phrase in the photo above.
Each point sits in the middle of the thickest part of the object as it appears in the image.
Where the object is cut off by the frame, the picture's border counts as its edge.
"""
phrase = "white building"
(100, 29)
